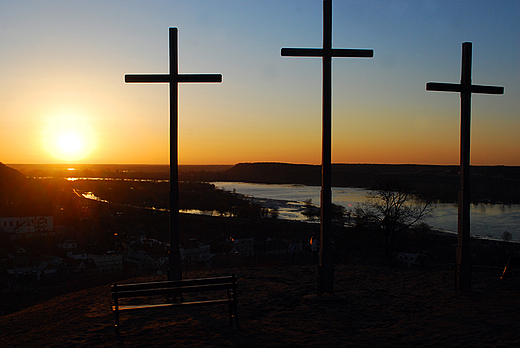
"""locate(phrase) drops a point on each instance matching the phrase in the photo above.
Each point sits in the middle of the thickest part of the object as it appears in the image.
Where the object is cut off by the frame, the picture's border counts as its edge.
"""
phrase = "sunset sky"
(63, 98)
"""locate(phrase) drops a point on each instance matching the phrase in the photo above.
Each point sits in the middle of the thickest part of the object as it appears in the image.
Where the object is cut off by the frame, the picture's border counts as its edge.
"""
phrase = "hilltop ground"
(381, 307)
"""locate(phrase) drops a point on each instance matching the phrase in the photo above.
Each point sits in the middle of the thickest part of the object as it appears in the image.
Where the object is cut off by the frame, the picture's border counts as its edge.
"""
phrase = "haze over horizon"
(64, 101)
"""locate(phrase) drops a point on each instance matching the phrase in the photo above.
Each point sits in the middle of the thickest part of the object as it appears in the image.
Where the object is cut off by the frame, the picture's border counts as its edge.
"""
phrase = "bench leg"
(230, 307)
(233, 313)
(233, 308)
(116, 312)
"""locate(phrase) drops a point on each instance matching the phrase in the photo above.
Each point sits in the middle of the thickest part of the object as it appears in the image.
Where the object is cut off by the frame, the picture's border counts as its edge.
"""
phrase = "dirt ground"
(373, 307)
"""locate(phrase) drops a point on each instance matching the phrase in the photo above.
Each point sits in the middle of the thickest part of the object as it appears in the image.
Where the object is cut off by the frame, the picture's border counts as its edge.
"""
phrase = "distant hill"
(274, 173)
(496, 184)
(343, 175)
(489, 184)
(20, 196)
(9, 175)
(10, 181)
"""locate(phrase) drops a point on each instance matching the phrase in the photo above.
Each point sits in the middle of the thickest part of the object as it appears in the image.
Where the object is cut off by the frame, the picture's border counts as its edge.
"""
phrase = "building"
(69, 244)
(27, 226)
(194, 251)
(27, 265)
(97, 264)
(245, 246)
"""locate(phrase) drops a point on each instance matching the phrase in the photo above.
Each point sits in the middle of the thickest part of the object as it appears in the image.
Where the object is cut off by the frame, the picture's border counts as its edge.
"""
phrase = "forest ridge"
(489, 184)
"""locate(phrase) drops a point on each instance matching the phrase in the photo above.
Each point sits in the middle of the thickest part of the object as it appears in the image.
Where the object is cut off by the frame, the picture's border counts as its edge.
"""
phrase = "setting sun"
(70, 143)
(68, 137)
(68, 77)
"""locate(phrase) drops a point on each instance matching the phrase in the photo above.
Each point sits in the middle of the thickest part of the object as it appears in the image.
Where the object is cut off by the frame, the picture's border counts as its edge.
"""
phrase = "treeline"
(23, 196)
(192, 195)
(489, 184)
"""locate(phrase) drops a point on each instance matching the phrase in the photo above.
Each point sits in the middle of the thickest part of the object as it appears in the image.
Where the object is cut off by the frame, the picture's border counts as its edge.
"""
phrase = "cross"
(325, 271)
(174, 78)
(465, 88)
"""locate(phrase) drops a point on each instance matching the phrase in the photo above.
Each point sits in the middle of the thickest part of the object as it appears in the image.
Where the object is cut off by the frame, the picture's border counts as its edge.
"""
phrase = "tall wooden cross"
(325, 270)
(174, 78)
(465, 88)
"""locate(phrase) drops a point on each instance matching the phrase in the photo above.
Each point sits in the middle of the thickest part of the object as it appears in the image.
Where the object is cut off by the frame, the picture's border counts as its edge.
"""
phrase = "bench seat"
(174, 290)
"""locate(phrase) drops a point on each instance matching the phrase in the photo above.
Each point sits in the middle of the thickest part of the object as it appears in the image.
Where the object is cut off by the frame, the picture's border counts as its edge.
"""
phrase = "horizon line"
(257, 162)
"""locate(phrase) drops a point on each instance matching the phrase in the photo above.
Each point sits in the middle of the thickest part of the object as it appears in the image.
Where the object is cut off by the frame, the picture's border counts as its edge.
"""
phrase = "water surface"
(487, 220)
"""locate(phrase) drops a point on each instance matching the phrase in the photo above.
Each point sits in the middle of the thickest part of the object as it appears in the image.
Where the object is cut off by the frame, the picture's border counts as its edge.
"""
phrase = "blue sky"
(62, 65)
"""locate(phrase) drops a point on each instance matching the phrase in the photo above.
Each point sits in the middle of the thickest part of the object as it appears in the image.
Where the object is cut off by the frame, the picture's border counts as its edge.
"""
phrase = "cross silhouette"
(325, 270)
(174, 78)
(465, 88)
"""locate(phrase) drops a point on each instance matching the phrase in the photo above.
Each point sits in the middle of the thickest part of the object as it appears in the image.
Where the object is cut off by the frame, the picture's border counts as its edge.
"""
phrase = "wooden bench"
(174, 290)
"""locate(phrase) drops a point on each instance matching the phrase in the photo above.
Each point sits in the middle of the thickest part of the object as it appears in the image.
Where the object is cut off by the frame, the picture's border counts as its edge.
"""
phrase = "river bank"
(487, 220)
(489, 184)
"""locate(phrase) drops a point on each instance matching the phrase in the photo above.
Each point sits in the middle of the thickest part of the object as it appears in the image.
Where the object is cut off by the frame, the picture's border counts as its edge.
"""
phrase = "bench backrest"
(174, 286)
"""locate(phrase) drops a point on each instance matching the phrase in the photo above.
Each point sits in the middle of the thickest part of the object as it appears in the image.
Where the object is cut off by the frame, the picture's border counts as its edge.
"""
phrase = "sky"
(63, 98)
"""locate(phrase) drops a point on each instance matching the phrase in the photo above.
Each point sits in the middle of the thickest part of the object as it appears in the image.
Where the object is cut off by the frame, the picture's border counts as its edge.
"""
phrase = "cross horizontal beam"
(158, 78)
(320, 52)
(457, 87)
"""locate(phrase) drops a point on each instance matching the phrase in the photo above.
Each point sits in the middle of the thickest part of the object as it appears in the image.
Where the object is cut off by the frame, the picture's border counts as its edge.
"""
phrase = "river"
(487, 220)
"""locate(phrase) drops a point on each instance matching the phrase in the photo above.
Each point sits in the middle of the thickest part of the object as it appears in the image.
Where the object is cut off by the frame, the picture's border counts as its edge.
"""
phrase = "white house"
(407, 259)
(106, 263)
(69, 244)
(245, 246)
(27, 225)
(200, 252)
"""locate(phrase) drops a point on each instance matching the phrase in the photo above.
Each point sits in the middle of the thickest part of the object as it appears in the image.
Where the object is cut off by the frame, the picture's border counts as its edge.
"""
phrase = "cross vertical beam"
(465, 88)
(463, 256)
(325, 269)
(174, 258)
(174, 78)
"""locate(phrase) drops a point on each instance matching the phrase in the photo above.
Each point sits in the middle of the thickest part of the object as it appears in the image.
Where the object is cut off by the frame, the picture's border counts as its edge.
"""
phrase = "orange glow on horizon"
(68, 137)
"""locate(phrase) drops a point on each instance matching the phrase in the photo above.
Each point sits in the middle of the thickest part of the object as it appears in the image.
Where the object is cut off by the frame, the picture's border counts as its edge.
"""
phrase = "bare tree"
(391, 209)
(312, 212)
(506, 236)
